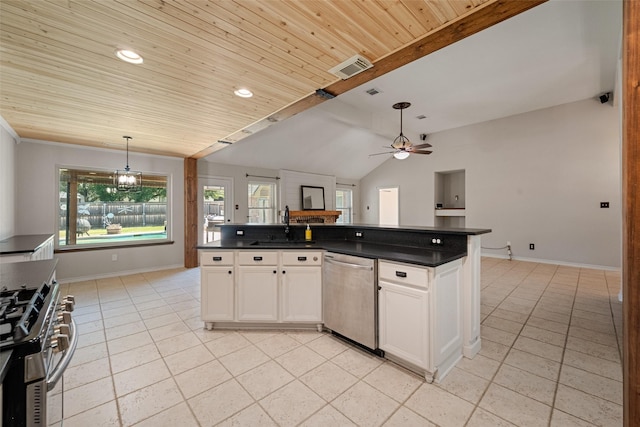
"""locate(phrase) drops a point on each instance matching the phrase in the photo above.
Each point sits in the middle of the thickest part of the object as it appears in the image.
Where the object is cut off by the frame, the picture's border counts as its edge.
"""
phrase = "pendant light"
(127, 180)
(401, 142)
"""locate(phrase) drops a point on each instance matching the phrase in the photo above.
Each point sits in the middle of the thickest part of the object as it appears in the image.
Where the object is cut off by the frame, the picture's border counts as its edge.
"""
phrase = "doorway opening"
(388, 206)
(215, 196)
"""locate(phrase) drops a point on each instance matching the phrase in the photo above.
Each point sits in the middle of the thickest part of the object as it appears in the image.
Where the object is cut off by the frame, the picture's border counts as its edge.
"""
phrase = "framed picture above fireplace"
(312, 198)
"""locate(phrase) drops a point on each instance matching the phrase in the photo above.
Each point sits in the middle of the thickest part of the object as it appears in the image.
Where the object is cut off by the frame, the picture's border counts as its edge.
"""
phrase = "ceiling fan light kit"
(401, 145)
(127, 180)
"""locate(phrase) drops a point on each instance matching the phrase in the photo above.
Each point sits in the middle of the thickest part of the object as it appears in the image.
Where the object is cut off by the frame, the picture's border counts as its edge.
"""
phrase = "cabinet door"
(217, 293)
(404, 323)
(302, 294)
(447, 306)
(258, 293)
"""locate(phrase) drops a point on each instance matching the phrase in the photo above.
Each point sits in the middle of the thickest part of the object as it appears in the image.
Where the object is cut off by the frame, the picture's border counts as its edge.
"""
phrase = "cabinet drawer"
(301, 258)
(216, 258)
(404, 273)
(258, 257)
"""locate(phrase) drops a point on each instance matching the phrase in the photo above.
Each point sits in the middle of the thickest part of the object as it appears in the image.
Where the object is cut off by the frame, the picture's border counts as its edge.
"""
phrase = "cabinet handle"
(274, 272)
(284, 272)
(229, 271)
(257, 258)
(217, 258)
(401, 274)
(302, 258)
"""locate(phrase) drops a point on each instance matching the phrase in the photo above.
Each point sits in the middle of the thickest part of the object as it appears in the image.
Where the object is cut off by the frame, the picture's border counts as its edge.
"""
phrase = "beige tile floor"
(550, 357)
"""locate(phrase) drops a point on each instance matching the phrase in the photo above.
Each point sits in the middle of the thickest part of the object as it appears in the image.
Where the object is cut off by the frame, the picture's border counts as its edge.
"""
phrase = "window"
(92, 213)
(344, 205)
(262, 202)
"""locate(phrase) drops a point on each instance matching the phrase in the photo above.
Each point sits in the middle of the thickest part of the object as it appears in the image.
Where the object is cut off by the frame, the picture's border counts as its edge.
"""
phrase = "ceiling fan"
(401, 146)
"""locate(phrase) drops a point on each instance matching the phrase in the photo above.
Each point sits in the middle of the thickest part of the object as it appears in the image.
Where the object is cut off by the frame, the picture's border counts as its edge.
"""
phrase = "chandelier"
(127, 180)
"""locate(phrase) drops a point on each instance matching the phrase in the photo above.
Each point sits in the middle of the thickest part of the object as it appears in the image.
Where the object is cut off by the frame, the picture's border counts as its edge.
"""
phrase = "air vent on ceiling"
(421, 117)
(373, 91)
(351, 67)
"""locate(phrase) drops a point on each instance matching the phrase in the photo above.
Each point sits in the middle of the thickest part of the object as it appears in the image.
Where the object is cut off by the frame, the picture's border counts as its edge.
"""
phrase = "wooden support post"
(631, 210)
(72, 208)
(190, 212)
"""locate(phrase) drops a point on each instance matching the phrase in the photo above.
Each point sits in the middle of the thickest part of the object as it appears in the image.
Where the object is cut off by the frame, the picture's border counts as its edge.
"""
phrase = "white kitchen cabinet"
(420, 316)
(301, 286)
(257, 285)
(217, 287)
(302, 294)
(403, 321)
(258, 294)
(261, 287)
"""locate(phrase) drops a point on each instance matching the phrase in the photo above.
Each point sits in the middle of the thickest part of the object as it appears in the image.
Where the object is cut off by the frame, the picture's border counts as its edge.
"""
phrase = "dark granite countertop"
(409, 228)
(23, 243)
(407, 254)
(426, 246)
(28, 273)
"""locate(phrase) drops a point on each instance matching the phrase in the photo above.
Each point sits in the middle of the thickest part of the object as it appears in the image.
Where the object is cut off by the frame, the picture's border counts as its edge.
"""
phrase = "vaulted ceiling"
(61, 81)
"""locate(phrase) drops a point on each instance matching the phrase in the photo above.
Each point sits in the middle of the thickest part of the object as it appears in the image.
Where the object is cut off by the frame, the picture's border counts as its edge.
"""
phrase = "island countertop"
(426, 246)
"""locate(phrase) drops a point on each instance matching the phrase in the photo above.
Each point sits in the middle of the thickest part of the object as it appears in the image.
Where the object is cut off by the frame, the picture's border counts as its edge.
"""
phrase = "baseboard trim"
(551, 261)
(118, 273)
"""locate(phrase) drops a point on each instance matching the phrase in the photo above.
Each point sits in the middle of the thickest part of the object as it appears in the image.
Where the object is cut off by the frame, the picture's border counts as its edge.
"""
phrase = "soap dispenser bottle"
(307, 233)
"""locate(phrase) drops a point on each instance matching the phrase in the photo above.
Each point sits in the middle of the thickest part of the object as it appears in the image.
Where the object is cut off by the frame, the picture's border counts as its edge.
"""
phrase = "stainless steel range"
(37, 339)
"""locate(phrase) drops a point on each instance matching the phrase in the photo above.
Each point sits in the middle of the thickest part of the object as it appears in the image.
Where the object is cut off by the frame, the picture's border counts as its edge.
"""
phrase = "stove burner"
(19, 311)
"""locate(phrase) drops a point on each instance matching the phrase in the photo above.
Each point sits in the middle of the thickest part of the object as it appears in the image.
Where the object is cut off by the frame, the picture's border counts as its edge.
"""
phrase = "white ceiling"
(559, 52)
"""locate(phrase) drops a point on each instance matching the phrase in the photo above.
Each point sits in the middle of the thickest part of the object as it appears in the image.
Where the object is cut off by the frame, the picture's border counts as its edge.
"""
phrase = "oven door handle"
(55, 376)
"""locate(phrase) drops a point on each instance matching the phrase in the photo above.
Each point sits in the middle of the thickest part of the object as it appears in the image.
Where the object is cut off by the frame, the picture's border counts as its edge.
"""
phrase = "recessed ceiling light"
(243, 93)
(129, 56)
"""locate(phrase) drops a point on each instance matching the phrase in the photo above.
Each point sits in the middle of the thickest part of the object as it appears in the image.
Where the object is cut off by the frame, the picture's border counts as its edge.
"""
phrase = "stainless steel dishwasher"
(350, 297)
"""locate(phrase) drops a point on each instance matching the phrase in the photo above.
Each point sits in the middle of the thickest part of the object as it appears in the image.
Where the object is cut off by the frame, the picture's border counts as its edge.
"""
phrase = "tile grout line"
(491, 381)
(564, 349)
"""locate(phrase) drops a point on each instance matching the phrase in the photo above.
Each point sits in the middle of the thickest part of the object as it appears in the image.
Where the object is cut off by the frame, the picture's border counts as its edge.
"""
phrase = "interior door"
(388, 206)
(215, 197)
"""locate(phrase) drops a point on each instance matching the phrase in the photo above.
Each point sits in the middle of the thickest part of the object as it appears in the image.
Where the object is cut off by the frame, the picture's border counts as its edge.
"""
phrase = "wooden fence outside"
(127, 214)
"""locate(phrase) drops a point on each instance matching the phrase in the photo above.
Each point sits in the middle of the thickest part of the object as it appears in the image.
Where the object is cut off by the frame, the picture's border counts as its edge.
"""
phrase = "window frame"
(167, 239)
(350, 208)
(273, 208)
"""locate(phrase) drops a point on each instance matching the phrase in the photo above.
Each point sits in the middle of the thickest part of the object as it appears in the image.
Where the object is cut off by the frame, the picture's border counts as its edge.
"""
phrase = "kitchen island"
(427, 292)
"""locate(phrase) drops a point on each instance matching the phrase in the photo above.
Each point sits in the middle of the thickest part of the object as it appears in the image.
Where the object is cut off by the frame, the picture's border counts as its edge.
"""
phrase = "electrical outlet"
(532, 246)
(508, 243)
(358, 233)
(239, 232)
(604, 204)
(114, 257)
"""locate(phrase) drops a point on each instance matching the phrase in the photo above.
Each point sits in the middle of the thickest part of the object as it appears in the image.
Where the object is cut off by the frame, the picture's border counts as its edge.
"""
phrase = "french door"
(215, 202)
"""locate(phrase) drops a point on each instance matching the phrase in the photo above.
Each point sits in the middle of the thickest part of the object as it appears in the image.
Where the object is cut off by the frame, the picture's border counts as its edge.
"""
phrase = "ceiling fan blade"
(425, 145)
(386, 152)
(420, 152)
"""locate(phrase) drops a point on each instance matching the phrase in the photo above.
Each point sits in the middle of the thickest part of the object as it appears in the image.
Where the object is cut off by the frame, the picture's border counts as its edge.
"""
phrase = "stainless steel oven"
(37, 339)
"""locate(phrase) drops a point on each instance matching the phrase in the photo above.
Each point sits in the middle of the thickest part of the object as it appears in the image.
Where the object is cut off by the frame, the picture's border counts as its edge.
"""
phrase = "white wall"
(240, 182)
(290, 192)
(536, 178)
(7, 183)
(37, 204)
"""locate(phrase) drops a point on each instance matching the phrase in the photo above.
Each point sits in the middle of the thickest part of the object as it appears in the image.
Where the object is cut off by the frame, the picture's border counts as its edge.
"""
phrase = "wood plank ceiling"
(61, 81)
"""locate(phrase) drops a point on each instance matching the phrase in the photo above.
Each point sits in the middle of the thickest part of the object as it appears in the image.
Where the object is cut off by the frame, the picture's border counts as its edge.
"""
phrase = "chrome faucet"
(287, 230)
